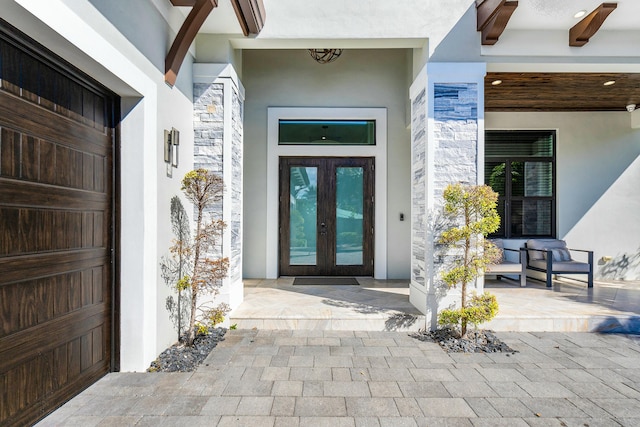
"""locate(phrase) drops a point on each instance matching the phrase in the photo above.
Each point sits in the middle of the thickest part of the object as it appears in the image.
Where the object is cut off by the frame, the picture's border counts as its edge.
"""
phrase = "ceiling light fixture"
(324, 56)
(496, 82)
(609, 83)
(631, 107)
(579, 14)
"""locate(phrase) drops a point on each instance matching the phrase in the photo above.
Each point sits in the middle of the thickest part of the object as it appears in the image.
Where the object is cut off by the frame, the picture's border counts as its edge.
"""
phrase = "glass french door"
(326, 216)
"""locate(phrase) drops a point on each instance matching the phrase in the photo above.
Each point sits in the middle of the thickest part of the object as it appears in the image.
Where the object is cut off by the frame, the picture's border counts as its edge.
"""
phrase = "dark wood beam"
(580, 33)
(186, 3)
(485, 10)
(251, 15)
(185, 37)
(493, 16)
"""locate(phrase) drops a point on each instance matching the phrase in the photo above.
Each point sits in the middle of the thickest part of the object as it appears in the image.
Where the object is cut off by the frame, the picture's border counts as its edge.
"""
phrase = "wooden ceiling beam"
(580, 33)
(492, 18)
(185, 37)
(485, 10)
(251, 15)
(186, 3)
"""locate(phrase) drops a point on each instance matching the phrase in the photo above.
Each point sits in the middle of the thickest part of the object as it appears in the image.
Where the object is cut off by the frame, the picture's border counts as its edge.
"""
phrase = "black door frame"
(326, 224)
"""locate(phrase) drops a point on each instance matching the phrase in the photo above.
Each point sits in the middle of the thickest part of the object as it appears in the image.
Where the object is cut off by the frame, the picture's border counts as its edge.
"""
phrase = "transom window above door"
(327, 132)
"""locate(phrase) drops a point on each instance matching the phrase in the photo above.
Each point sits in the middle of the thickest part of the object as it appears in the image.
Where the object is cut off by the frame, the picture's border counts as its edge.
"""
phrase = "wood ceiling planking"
(561, 91)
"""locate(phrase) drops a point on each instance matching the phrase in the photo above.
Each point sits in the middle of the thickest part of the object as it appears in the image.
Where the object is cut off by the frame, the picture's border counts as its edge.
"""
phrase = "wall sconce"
(171, 143)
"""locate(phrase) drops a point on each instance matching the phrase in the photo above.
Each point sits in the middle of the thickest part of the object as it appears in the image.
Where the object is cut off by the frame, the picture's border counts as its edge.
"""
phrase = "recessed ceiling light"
(580, 14)
(496, 82)
(609, 83)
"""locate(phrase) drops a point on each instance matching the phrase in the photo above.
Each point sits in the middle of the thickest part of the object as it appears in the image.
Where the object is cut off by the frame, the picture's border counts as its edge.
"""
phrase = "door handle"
(323, 229)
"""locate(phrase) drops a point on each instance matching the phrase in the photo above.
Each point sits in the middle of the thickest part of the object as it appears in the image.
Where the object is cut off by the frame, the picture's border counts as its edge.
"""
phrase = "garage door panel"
(47, 174)
(24, 345)
(20, 116)
(22, 193)
(38, 230)
(47, 298)
(26, 157)
(10, 142)
(54, 373)
(27, 267)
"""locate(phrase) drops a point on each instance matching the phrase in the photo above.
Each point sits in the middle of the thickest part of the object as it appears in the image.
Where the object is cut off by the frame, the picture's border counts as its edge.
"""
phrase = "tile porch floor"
(378, 305)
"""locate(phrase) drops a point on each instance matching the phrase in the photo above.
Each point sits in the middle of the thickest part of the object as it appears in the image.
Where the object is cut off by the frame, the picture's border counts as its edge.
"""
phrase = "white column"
(447, 140)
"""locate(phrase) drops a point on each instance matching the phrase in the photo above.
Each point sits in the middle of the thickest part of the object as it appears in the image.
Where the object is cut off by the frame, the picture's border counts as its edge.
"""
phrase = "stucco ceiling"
(558, 14)
(529, 15)
(529, 88)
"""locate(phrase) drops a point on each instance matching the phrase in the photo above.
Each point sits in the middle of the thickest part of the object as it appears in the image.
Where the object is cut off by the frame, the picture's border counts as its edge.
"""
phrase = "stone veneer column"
(218, 100)
(447, 146)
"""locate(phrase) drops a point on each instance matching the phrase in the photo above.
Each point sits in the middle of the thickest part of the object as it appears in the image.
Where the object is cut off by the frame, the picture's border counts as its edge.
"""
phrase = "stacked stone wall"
(208, 126)
(235, 222)
(418, 182)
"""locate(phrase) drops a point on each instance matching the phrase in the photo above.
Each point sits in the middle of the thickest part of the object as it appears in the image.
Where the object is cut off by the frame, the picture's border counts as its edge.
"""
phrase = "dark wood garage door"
(56, 223)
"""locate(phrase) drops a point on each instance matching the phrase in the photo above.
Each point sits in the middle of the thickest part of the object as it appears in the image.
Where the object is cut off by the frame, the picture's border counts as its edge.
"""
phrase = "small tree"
(203, 274)
(473, 209)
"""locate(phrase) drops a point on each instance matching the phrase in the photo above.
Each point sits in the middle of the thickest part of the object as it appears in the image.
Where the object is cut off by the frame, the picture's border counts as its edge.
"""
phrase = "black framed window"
(520, 165)
(327, 132)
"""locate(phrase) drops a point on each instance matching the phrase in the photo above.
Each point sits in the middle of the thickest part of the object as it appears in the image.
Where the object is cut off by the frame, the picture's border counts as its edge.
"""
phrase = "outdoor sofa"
(551, 256)
(506, 266)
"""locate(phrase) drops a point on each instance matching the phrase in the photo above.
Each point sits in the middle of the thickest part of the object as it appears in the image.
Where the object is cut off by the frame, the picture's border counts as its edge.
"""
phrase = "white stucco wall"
(598, 172)
(359, 78)
(83, 36)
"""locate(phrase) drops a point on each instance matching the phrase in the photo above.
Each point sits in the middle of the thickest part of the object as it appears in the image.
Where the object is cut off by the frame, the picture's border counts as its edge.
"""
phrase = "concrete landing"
(374, 305)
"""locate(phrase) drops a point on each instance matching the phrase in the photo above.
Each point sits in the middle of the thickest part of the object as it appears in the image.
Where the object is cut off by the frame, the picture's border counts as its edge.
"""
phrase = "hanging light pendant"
(324, 56)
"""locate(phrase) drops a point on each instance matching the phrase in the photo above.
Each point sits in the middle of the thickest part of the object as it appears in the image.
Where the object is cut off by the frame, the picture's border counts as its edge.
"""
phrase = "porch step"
(412, 323)
(400, 322)
(614, 323)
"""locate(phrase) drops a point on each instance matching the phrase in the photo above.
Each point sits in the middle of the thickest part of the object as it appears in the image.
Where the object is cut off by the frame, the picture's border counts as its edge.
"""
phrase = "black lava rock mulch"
(480, 341)
(181, 358)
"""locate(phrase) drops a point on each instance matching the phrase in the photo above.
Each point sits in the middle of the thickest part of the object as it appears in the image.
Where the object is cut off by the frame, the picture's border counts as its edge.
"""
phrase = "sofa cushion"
(559, 254)
(565, 266)
(505, 267)
(543, 244)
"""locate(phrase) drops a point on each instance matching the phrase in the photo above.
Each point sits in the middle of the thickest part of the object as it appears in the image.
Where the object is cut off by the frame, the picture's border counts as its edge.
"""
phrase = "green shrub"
(480, 309)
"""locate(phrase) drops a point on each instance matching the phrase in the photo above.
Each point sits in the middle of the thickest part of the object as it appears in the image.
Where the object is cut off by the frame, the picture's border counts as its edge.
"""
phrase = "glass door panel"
(349, 218)
(303, 212)
(326, 216)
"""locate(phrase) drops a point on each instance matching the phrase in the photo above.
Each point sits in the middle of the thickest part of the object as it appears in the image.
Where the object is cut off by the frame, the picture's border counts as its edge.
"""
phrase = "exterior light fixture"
(324, 56)
(609, 83)
(171, 143)
(496, 82)
(579, 14)
(631, 107)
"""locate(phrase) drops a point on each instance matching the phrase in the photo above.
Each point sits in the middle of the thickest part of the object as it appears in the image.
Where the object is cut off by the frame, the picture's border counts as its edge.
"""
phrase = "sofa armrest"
(580, 250)
(520, 252)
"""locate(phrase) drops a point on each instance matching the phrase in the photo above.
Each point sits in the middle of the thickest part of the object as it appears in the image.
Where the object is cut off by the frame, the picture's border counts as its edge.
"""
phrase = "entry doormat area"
(325, 281)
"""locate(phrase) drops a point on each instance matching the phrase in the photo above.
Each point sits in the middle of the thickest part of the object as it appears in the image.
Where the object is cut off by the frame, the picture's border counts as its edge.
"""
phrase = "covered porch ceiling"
(546, 24)
(582, 54)
(561, 91)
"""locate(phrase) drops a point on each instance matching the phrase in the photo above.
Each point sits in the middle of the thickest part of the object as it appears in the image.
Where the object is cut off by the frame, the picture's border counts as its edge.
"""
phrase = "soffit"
(558, 15)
